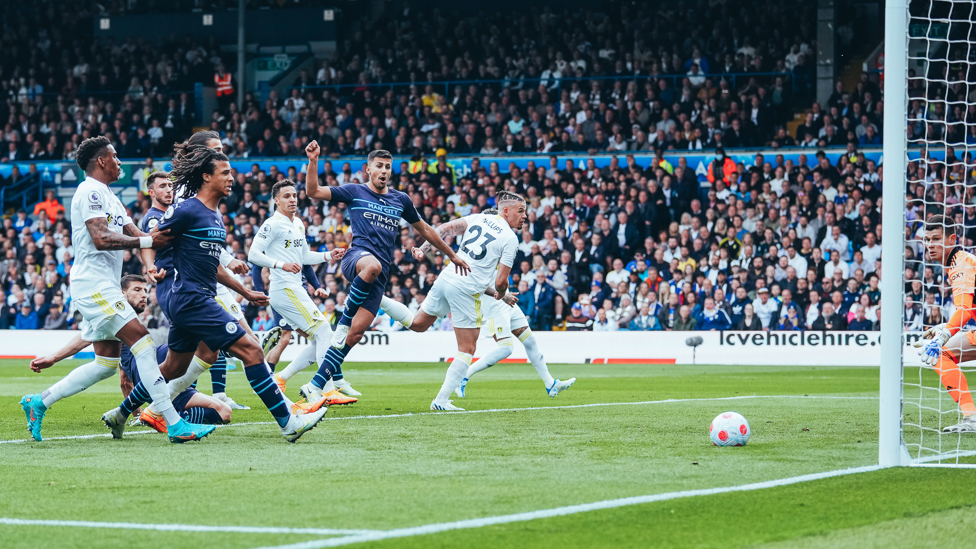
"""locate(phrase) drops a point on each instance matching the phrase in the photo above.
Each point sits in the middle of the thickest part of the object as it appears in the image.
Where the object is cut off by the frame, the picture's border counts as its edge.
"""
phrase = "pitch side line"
(563, 511)
(183, 527)
(490, 410)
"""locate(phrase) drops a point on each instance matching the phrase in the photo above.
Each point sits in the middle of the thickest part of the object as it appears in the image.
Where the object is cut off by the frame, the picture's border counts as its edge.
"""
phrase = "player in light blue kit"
(375, 210)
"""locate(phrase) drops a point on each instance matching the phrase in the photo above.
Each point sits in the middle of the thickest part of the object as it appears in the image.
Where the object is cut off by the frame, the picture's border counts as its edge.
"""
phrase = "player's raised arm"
(226, 279)
(449, 229)
(431, 236)
(312, 187)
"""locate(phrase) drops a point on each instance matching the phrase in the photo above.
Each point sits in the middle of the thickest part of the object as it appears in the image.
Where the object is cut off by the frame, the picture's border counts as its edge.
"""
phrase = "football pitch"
(622, 459)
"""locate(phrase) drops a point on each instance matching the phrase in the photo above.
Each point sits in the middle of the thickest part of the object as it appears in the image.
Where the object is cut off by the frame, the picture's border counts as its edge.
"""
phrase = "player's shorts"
(104, 313)
(297, 310)
(280, 320)
(372, 301)
(163, 290)
(503, 320)
(197, 318)
(183, 399)
(466, 309)
(227, 301)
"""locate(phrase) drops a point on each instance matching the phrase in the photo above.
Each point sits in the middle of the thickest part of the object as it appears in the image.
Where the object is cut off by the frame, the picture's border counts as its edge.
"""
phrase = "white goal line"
(563, 511)
(184, 527)
(487, 411)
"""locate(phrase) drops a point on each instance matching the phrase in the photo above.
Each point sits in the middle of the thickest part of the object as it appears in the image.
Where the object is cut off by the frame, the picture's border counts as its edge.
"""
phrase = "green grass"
(356, 472)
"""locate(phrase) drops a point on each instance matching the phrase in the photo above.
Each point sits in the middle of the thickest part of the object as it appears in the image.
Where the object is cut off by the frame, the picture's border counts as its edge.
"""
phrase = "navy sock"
(358, 291)
(271, 365)
(202, 416)
(330, 365)
(218, 374)
(259, 376)
(136, 398)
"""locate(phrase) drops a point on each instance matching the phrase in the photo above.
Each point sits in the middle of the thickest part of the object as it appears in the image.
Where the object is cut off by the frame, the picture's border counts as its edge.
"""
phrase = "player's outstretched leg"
(218, 380)
(553, 386)
(358, 291)
(79, 379)
(319, 337)
(502, 351)
(459, 367)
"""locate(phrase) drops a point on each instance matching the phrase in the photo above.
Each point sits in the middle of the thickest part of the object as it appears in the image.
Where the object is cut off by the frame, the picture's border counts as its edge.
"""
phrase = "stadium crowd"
(771, 245)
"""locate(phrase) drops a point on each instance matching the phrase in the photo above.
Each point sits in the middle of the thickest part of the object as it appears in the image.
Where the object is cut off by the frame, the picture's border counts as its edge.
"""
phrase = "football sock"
(203, 416)
(177, 386)
(144, 351)
(535, 356)
(459, 367)
(330, 365)
(955, 382)
(137, 397)
(492, 357)
(397, 311)
(81, 378)
(304, 359)
(358, 292)
(218, 374)
(259, 376)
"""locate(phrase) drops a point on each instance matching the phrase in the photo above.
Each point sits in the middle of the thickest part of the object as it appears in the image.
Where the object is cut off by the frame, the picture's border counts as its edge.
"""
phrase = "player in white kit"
(280, 245)
(490, 243)
(100, 230)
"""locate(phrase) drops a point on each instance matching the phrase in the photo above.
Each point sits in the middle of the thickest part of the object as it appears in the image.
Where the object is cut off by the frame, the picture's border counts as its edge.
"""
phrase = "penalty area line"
(184, 527)
(487, 411)
(563, 511)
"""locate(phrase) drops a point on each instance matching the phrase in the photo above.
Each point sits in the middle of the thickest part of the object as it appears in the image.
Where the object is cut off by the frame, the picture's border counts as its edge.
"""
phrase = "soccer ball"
(729, 429)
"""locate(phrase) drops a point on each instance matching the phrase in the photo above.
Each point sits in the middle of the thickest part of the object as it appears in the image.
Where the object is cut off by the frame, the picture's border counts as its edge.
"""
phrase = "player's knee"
(224, 411)
(250, 352)
(353, 338)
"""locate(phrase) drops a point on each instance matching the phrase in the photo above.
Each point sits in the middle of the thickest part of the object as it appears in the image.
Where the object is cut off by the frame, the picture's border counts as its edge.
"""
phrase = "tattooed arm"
(452, 228)
(105, 239)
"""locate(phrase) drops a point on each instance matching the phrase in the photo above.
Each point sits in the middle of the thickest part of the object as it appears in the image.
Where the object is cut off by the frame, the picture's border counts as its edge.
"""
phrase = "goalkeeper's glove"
(930, 347)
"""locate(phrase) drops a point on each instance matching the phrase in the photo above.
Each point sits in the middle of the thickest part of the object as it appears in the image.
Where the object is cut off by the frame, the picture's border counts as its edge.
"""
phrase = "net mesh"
(941, 137)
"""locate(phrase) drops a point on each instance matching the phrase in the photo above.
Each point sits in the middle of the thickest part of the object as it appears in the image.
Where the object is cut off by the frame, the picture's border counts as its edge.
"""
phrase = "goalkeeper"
(946, 345)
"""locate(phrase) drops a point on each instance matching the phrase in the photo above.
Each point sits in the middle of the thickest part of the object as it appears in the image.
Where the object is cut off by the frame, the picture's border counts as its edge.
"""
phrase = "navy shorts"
(279, 321)
(196, 318)
(372, 301)
(163, 292)
(183, 399)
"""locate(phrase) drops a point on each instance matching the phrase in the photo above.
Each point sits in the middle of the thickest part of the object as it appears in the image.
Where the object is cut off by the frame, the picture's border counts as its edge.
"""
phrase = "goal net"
(940, 134)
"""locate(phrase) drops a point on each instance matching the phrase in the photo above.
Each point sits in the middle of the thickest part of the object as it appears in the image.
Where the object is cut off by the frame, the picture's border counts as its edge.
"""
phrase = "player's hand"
(930, 333)
(237, 266)
(510, 299)
(418, 254)
(935, 333)
(41, 363)
(338, 253)
(460, 267)
(161, 239)
(321, 292)
(931, 352)
(312, 150)
(292, 268)
(257, 298)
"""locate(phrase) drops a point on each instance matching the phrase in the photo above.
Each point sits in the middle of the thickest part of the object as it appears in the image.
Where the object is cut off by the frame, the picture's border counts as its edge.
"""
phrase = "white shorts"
(298, 310)
(227, 301)
(503, 320)
(466, 309)
(104, 313)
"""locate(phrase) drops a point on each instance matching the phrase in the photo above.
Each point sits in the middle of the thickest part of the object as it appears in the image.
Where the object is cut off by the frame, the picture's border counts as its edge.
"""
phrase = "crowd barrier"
(810, 348)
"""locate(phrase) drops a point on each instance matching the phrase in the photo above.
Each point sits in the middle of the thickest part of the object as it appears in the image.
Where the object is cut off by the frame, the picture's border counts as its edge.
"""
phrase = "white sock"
(144, 351)
(397, 311)
(304, 359)
(454, 376)
(535, 357)
(176, 386)
(81, 378)
(492, 357)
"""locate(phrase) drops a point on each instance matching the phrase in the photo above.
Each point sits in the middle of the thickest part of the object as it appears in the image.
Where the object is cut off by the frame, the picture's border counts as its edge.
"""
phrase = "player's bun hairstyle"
(151, 180)
(490, 211)
(280, 185)
(941, 223)
(90, 149)
(378, 153)
(188, 169)
(197, 140)
(129, 280)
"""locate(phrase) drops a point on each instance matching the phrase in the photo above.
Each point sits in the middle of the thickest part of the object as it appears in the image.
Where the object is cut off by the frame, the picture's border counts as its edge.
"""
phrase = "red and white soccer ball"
(729, 429)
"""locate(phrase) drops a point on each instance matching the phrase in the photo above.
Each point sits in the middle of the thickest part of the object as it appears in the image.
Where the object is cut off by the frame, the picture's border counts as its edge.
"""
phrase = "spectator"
(544, 297)
(27, 318)
(603, 322)
(670, 314)
(791, 321)
(50, 206)
(576, 322)
(625, 312)
(645, 321)
(712, 318)
(263, 322)
(749, 320)
(829, 320)
(860, 322)
(685, 322)
(765, 308)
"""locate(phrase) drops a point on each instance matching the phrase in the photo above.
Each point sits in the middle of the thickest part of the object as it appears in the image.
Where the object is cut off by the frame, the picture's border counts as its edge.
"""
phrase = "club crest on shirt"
(152, 223)
(120, 305)
(231, 327)
(169, 212)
